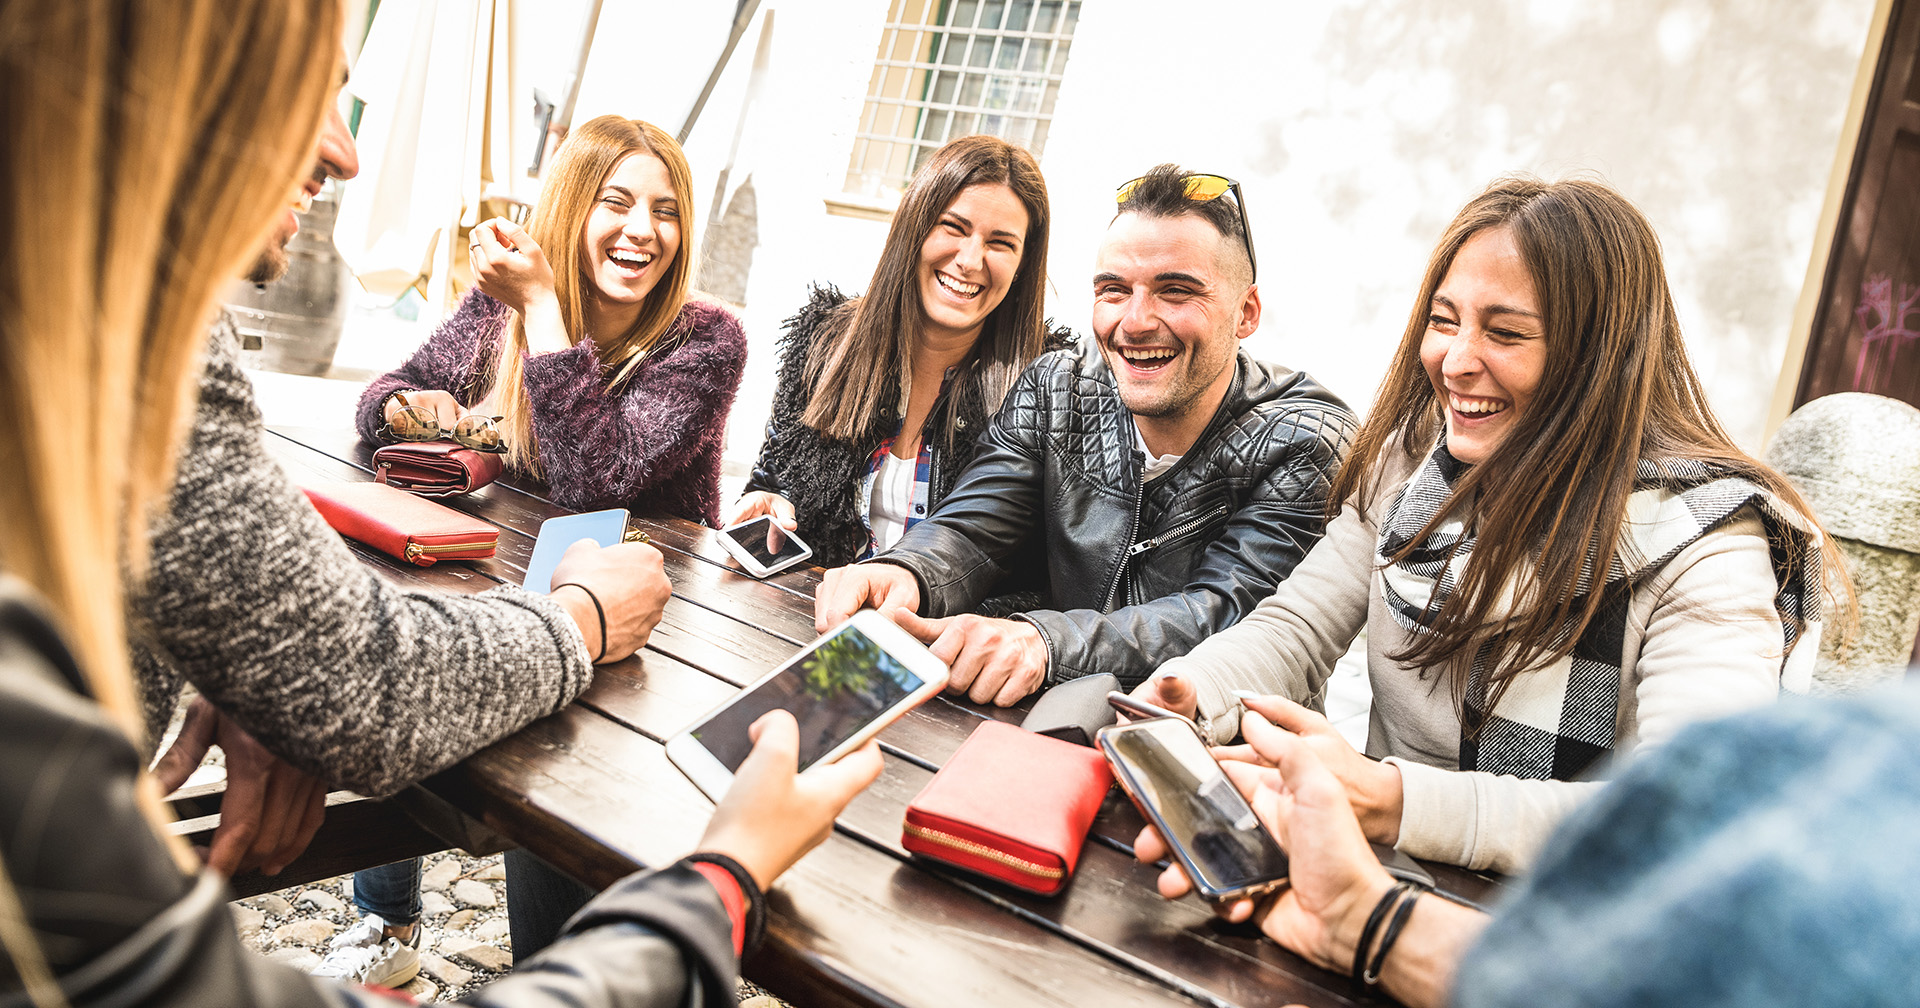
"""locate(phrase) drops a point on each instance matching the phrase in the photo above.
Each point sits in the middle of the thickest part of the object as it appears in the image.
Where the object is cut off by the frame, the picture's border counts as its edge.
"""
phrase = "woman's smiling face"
(968, 261)
(1485, 347)
(632, 233)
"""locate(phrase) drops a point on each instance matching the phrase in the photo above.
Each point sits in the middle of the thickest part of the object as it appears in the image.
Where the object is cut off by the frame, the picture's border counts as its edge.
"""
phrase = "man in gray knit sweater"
(341, 677)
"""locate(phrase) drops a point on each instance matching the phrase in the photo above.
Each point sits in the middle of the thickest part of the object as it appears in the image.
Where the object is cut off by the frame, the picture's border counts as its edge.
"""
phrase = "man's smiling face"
(1167, 315)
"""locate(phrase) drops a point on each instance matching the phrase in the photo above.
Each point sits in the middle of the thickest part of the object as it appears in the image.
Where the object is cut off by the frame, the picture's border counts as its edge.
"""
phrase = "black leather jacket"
(1139, 574)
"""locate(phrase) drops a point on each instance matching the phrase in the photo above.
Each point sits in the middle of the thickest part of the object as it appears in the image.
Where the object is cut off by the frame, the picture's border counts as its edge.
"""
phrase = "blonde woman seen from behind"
(136, 188)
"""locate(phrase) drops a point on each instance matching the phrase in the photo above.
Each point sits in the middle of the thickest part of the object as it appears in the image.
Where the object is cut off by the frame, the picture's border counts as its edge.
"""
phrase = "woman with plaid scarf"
(1556, 552)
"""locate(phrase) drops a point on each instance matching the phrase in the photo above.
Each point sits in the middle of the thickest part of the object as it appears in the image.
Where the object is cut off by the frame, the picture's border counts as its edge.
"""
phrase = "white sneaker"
(363, 954)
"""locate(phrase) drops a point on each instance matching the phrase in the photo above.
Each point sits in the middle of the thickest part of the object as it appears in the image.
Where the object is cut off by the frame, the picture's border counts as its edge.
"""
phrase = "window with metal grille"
(950, 68)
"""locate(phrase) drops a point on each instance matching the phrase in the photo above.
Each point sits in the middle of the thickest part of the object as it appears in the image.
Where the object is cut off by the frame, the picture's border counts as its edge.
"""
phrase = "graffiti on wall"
(1888, 324)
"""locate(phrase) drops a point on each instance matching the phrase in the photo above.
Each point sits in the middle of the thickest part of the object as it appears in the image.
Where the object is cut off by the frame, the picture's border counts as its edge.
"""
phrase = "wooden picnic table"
(858, 921)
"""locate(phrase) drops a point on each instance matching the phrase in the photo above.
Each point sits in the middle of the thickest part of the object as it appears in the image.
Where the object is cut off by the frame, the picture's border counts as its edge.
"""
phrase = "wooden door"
(1866, 332)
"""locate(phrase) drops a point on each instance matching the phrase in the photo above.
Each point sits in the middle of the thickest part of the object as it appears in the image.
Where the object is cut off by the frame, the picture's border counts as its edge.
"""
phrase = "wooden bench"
(358, 832)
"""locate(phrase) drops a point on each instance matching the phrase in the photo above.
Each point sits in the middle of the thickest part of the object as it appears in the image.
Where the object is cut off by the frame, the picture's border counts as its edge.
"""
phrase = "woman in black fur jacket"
(881, 397)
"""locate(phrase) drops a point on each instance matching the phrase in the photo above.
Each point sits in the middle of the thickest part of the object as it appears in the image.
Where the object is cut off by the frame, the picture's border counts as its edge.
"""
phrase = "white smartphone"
(556, 534)
(762, 546)
(843, 689)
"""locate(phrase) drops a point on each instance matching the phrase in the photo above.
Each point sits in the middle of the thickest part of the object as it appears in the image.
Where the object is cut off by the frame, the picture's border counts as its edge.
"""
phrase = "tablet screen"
(840, 685)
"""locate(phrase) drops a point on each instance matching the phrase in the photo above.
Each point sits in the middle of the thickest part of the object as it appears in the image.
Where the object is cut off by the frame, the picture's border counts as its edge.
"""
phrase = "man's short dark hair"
(1162, 192)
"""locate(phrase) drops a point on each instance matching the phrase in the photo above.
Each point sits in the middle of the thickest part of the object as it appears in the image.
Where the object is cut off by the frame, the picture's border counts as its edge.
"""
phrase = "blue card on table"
(556, 534)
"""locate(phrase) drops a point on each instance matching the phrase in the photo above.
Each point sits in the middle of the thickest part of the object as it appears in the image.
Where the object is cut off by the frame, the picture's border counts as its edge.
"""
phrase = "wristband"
(1379, 914)
(388, 401)
(1400, 915)
(597, 610)
(756, 901)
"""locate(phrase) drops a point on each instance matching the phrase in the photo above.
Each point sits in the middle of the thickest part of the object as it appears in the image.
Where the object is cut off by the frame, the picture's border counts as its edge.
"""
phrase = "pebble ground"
(463, 904)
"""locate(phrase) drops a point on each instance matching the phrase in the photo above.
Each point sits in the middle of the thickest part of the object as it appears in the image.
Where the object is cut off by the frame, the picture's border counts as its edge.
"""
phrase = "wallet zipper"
(415, 551)
(1022, 865)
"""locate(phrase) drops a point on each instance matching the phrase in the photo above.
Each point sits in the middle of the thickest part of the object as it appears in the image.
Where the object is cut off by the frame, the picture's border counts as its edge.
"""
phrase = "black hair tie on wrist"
(1379, 914)
(597, 610)
(1400, 915)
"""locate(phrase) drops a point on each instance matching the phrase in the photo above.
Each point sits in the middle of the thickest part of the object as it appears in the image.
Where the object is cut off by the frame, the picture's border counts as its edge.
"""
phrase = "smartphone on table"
(1211, 830)
(556, 534)
(843, 689)
(762, 546)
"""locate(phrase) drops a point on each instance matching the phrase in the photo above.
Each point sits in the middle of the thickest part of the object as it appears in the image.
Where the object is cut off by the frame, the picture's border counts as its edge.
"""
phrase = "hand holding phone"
(1210, 829)
(844, 688)
(773, 814)
(762, 546)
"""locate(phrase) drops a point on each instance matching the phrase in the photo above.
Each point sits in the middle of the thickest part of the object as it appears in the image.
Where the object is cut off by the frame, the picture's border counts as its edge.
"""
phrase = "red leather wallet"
(1010, 805)
(398, 523)
(434, 468)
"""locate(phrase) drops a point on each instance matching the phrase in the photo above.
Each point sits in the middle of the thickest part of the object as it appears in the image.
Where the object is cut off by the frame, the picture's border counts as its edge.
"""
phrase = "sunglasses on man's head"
(417, 423)
(1204, 188)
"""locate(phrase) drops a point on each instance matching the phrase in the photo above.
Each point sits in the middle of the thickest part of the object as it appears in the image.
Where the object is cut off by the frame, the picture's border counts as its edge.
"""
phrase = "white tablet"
(843, 689)
(762, 547)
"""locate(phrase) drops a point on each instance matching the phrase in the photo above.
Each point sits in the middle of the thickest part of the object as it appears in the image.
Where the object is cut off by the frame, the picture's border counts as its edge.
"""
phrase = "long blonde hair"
(580, 168)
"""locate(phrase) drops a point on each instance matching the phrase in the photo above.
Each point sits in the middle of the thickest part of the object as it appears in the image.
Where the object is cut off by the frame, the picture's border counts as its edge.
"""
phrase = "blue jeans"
(391, 890)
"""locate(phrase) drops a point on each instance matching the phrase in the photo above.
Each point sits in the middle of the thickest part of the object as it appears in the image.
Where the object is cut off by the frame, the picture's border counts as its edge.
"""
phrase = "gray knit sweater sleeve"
(254, 600)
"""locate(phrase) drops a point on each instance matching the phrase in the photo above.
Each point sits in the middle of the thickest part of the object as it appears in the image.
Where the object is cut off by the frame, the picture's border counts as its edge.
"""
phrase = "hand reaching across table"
(847, 590)
(773, 814)
(1334, 880)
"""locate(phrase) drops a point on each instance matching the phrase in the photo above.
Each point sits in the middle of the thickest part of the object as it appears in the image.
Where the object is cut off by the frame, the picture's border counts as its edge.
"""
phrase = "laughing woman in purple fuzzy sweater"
(609, 383)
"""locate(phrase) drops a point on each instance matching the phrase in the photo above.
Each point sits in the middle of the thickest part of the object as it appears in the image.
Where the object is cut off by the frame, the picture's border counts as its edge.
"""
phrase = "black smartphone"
(1212, 831)
(1134, 707)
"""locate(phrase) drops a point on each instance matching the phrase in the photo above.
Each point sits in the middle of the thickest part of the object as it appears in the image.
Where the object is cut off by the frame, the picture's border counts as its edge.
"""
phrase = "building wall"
(1358, 128)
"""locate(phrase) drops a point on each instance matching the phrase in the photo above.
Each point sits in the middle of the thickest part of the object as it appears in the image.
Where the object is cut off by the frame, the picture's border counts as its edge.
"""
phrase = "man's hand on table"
(844, 591)
(271, 809)
(773, 814)
(997, 661)
(630, 582)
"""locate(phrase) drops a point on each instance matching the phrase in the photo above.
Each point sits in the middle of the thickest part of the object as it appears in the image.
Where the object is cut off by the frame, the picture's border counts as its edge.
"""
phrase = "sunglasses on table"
(1204, 188)
(417, 423)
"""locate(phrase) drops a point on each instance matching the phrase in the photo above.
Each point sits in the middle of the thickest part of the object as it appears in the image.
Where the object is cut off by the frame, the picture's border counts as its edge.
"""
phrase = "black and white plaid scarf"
(1555, 721)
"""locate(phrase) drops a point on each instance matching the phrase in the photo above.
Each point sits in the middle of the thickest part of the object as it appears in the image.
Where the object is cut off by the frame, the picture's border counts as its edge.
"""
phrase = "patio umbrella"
(440, 81)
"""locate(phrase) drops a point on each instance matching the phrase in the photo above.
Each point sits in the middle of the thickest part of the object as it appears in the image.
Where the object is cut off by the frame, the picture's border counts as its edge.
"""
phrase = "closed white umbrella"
(439, 78)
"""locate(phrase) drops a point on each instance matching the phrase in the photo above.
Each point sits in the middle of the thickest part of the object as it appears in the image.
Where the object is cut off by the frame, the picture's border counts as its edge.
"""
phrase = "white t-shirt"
(1155, 464)
(892, 499)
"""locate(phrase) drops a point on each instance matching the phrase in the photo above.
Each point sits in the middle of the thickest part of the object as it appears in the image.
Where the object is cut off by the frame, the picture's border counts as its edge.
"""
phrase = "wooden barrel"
(295, 321)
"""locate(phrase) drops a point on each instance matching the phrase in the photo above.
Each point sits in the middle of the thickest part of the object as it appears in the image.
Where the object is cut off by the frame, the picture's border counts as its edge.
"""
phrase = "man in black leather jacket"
(1172, 480)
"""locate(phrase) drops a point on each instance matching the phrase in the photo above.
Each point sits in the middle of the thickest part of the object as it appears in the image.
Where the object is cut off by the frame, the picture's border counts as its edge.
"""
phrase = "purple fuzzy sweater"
(652, 446)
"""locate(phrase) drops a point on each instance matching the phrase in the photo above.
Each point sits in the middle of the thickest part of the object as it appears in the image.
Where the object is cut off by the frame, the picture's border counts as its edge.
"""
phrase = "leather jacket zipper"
(1179, 533)
(1126, 556)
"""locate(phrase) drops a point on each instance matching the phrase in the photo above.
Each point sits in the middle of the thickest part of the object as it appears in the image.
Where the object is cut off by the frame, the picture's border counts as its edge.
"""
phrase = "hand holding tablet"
(842, 690)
